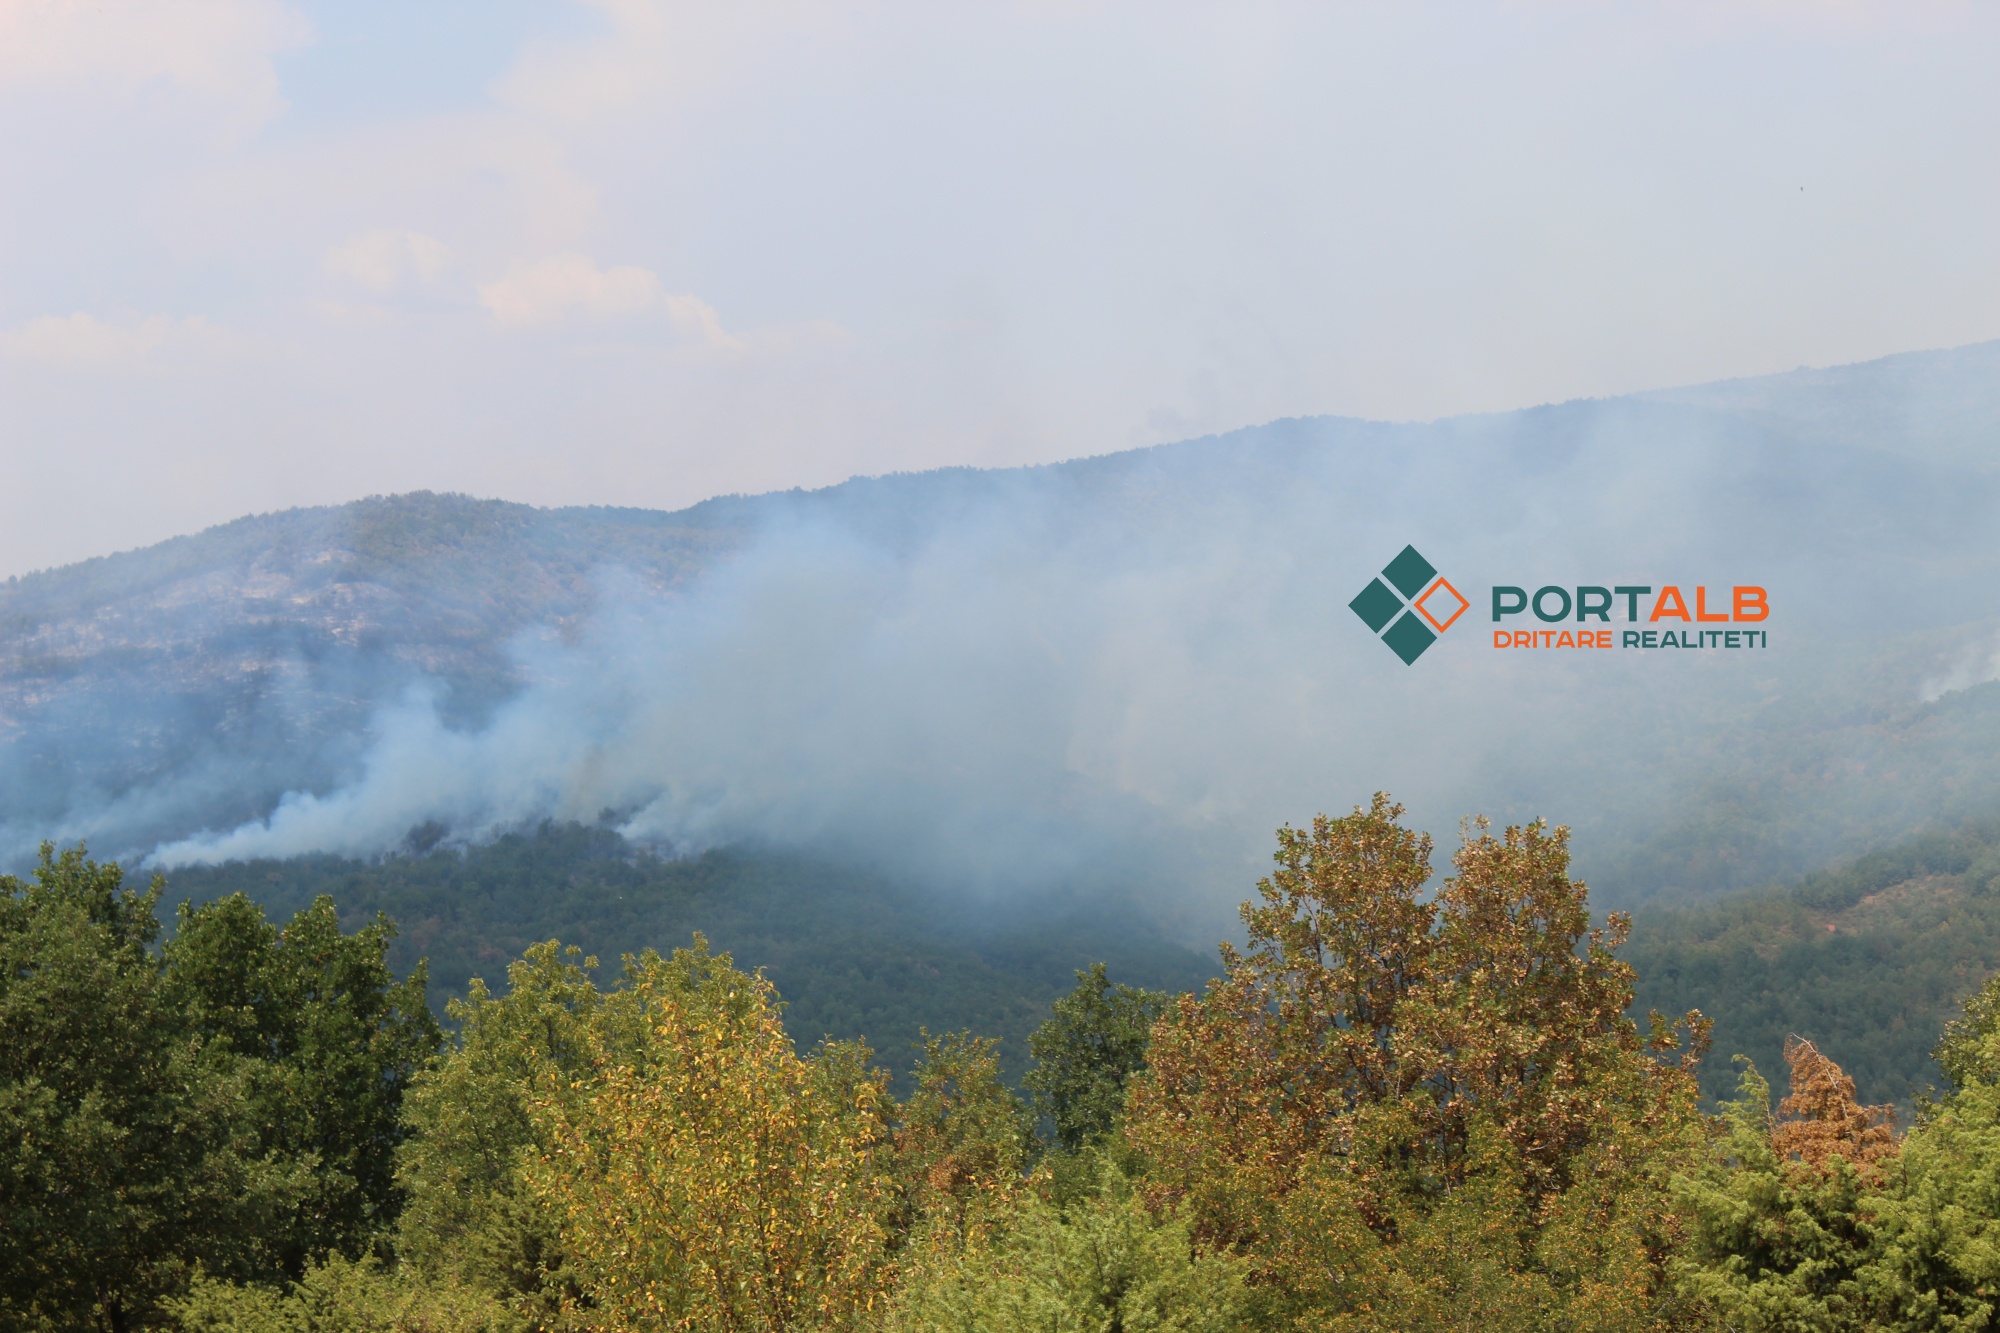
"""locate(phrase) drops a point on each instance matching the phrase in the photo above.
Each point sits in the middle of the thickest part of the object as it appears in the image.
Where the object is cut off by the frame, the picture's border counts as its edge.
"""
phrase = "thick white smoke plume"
(1010, 699)
(1125, 672)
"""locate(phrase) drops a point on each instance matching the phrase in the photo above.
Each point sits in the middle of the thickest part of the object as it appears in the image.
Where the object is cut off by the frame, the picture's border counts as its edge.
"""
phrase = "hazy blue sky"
(256, 254)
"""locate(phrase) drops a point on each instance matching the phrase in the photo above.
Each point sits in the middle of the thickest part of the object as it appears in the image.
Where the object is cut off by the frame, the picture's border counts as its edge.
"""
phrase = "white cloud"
(693, 315)
(566, 284)
(219, 50)
(656, 51)
(569, 284)
(385, 261)
(84, 340)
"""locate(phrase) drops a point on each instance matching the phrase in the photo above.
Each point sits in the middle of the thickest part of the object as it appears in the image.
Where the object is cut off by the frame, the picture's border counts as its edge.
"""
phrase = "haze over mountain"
(1110, 675)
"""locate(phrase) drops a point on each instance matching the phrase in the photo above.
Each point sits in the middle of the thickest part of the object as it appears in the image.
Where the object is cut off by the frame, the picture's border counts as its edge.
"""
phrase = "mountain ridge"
(1154, 636)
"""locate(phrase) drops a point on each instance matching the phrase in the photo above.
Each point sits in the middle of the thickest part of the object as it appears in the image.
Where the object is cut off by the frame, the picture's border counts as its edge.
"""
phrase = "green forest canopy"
(1867, 959)
(1409, 1102)
(854, 955)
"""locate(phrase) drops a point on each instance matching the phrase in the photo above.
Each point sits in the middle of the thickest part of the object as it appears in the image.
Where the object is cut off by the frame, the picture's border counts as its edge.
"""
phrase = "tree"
(470, 1220)
(1250, 1081)
(85, 1099)
(1936, 1224)
(1821, 1119)
(1778, 1241)
(229, 1103)
(1105, 1264)
(329, 1041)
(1376, 1058)
(1935, 1261)
(87, 1107)
(1094, 1041)
(1819, 1218)
(1969, 1049)
(339, 1295)
(124, 1157)
(701, 1174)
(961, 1145)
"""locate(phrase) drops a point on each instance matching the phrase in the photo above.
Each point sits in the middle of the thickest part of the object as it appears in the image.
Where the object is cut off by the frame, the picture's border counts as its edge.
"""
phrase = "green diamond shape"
(1376, 605)
(1410, 572)
(1409, 637)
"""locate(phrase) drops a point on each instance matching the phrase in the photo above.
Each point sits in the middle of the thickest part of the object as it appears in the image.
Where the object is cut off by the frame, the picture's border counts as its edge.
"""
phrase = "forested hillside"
(1868, 959)
(1113, 674)
(855, 955)
(214, 671)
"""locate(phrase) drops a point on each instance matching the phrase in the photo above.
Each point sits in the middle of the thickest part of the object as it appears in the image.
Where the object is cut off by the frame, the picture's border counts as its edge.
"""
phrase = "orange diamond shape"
(1430, 592)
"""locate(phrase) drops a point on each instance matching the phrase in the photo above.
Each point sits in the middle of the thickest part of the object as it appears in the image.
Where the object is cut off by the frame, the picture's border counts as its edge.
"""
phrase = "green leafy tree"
(1094, 1041)
(469, 1220)
(1105, 1264)
(962, 1145)
(125, 1157)
(328, 1041)
(702, 1174)
(229, 1104)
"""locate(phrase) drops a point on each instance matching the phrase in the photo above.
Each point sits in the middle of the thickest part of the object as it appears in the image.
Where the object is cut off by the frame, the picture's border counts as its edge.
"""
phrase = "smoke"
(1011, 697)
(1975, 665)
(1118, 675)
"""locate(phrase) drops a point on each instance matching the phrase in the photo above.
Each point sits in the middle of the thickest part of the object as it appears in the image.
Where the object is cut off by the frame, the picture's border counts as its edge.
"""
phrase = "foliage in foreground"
(231, 1101)
(1427, 1105)
(1817, 1218)
(700, 1172)
(1102, 1261)
(1398, 1109)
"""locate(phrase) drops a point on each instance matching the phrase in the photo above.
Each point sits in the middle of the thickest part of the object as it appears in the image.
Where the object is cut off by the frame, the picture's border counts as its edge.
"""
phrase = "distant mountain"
(189, 684)
(1113, 675)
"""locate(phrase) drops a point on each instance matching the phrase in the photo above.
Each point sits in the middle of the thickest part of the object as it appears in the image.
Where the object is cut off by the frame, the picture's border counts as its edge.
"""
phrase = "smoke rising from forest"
(1125, 672)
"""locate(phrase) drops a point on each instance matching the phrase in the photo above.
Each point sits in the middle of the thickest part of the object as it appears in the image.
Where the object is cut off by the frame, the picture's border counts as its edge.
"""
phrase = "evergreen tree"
(1106, 1262)
(1777, 1237)
(1937, 1231)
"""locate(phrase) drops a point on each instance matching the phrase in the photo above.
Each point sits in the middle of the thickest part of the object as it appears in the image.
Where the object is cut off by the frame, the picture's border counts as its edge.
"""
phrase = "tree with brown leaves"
(1426, 1104)
(1822, 1118)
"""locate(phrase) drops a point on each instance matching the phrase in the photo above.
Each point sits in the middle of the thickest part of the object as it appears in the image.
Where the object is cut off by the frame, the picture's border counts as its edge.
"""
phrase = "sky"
(257, 254)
